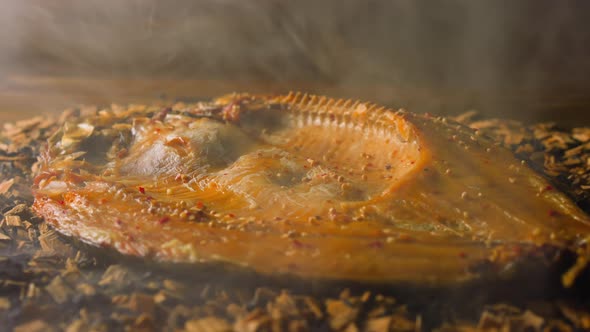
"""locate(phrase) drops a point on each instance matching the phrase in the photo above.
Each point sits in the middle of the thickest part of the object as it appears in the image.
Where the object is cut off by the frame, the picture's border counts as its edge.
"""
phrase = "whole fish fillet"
(302, 185)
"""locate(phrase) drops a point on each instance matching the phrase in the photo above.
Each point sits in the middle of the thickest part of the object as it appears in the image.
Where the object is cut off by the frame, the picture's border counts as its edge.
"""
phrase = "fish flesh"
(302, 185)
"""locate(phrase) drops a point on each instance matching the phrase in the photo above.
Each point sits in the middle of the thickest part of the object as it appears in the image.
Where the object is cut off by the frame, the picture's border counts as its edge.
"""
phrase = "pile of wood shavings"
(46, 284)
(561, 154)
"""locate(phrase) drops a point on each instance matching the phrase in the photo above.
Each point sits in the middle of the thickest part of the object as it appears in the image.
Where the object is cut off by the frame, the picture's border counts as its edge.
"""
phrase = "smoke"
(442, 57)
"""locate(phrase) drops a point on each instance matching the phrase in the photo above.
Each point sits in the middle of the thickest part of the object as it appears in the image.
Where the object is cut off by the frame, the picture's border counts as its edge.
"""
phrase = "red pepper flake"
(553, 213)
(44, 176)
(548, 188)
(405, 238)
(462, 254)
(231, 112)
(231, 215)
(62, 202)
(176, 141)
(298, 244)
(74, 177)
(376, 244)
(161, 115)
(200, 205)
(163, 220)
(119, 222)
(141, 190)
(122, 153)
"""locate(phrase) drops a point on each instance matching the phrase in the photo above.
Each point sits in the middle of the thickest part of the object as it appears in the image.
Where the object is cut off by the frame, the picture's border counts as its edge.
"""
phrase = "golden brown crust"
(303, 185)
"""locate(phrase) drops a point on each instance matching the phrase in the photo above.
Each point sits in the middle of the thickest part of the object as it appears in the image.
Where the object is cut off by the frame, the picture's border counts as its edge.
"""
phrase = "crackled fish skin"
(303, 185)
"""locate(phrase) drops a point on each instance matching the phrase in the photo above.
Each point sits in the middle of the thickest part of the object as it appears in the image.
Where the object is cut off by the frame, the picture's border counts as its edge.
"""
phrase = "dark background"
(526, 60)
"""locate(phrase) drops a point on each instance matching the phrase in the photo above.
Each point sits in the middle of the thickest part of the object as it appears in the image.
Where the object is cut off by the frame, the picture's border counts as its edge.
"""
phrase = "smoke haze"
(442, 57)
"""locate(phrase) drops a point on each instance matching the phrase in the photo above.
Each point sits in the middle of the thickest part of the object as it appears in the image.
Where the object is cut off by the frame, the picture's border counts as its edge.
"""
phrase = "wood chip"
(579, 316)
(51, 242)
(5, 186)
(174, 287)
(284, 306)
(255, 321)
(13, 221)
(581, 134)
(207, 324)
(341, 314)
(529, 321)
(402, 323)
(314, 307)
(378, 324)
(351, 328)
(160, 297)
(4, 303)
(86, 289)
(34, 326)
(115, 276)
(59, 291)
(142, 303)
(77, 325)
(144, 322)
(4, 237)
(22, 210)
(298, 325)
(33, 291)
(235, 311)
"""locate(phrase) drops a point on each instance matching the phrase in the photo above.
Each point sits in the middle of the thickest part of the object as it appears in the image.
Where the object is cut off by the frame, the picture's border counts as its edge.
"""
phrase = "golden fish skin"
(303, 185)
